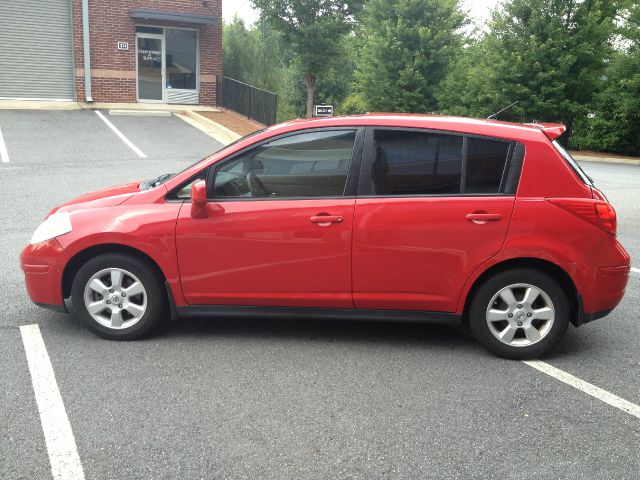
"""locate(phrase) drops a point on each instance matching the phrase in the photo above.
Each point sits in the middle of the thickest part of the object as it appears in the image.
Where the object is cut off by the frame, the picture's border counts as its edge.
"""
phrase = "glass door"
(151, 67)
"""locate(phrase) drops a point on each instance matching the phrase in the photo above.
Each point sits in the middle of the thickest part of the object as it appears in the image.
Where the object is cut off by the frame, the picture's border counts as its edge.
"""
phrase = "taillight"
(597, 212)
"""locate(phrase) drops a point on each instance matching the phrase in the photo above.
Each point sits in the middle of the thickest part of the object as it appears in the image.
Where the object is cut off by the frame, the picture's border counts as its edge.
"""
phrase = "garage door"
(36, 53)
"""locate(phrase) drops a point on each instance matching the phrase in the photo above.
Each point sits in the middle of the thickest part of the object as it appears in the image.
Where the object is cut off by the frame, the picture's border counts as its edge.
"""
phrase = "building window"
(181, 58)
(142, 29)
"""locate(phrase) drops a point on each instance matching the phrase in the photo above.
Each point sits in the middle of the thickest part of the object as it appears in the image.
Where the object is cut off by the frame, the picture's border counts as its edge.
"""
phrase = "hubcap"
(115, 298)
(520, 315)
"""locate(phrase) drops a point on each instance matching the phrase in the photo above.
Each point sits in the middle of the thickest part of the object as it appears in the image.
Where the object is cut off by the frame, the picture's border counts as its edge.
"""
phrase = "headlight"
(54, 226)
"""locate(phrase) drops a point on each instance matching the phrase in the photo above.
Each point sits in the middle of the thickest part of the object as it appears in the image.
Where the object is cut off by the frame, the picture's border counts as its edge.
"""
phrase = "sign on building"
(123, 46)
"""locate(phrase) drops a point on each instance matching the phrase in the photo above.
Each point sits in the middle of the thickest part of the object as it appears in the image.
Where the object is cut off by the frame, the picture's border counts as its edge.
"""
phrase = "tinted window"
(576, 167)
(181, 58)
(485, 164)
(305, 165)
(414, 163)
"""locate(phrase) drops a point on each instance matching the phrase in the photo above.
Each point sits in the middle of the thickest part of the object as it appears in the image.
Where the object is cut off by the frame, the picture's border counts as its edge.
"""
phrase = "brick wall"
(113, 71)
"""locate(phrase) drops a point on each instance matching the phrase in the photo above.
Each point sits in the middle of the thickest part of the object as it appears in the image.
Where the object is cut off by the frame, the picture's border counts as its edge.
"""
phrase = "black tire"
(477, 312)
(156, 298)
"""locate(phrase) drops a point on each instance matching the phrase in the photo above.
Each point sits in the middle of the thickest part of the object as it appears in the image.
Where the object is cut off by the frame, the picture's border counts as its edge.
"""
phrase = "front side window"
(416, 163)
(313, 164)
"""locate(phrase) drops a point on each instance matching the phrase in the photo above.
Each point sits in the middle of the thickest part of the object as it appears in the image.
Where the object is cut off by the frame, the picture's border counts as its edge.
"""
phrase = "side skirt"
(231, 311)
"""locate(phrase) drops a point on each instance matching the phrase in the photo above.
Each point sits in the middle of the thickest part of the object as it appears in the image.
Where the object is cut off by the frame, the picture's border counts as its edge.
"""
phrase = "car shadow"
(341, 331)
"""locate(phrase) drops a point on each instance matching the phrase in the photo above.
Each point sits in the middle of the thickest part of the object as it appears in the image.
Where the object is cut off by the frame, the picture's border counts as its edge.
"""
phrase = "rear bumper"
(41, 264)
(605, 290)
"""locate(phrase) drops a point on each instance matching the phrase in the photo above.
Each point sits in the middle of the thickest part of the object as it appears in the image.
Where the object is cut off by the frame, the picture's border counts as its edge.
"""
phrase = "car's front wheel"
(118, 296)
(519, 313)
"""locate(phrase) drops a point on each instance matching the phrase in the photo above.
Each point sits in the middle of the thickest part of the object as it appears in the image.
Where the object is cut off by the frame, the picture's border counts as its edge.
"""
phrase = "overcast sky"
(479, 9)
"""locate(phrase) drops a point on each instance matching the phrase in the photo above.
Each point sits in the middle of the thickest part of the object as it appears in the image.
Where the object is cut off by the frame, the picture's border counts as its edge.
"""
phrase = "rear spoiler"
(551, 130)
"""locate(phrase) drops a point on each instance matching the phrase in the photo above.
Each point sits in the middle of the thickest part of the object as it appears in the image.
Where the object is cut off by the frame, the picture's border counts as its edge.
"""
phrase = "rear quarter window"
(572, 163)
(486, 161)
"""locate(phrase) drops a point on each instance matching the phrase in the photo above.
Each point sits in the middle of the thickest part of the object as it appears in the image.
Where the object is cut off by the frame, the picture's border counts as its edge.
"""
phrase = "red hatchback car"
(393, 217)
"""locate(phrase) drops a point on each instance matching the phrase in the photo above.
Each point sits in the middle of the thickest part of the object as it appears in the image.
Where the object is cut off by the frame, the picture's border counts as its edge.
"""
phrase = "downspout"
(86, 50)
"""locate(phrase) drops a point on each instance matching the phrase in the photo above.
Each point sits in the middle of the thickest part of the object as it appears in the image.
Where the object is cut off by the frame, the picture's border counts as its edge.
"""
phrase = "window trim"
(172, 196)
(365, 185)
(352, 171)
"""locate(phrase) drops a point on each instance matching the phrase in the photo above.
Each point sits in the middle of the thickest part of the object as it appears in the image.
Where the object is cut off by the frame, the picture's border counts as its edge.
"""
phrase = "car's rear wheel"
(118, 296)
(519, 313)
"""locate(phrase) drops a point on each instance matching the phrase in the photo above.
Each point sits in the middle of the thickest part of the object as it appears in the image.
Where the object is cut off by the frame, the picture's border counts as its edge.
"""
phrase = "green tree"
(252, 55)
(613, 123)
(469, 88)
(314, 30)
(548, 55)
(408, 46)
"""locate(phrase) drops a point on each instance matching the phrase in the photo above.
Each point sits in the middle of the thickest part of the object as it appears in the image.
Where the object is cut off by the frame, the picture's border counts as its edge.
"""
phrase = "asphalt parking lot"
(291, 399)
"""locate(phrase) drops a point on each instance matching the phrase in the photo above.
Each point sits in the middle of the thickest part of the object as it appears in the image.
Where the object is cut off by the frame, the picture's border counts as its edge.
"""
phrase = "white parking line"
(4, 155)
(61, 445)
(121, 135)
(635, 270)
(586, 387)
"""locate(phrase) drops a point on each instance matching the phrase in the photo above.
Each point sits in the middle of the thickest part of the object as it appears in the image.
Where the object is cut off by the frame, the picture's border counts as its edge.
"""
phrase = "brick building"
(162, 51)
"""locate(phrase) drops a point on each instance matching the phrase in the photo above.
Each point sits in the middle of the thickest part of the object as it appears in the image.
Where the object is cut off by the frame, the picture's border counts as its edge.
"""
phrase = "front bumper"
(42, 267)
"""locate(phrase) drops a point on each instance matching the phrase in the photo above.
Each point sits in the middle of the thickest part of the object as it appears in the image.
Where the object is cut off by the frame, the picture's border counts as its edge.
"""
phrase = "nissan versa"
(394, 217)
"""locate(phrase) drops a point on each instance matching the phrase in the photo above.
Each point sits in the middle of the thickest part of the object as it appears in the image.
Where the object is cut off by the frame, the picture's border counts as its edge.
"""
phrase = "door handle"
(483, 217)
(325, 219)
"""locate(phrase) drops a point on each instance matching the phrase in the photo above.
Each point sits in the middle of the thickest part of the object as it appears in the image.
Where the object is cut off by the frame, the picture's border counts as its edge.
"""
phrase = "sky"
(479, 9)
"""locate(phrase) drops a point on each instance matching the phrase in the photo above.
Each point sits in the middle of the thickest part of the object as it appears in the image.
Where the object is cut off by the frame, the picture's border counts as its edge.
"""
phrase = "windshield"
(578, 169)
(159, 180)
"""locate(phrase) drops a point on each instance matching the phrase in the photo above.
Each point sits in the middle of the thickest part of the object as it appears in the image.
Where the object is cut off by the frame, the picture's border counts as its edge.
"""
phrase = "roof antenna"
(495, 115)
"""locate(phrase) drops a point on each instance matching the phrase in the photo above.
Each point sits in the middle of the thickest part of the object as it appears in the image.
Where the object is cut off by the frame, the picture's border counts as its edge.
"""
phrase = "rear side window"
(408, 162)
(486, 160)
(416, 163)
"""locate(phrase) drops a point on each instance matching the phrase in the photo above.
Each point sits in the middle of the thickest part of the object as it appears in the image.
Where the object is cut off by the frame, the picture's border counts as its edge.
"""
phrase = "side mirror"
(199, 199)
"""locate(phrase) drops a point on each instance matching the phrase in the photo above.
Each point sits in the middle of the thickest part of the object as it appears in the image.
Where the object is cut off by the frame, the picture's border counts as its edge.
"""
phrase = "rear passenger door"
(431, 208)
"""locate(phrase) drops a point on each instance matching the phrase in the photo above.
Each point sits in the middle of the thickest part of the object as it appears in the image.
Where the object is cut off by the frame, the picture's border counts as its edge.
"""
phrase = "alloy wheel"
(115, 298)
(520, 315)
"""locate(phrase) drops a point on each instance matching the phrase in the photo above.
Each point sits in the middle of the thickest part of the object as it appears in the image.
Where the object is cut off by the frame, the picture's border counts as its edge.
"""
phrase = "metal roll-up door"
(36, 50)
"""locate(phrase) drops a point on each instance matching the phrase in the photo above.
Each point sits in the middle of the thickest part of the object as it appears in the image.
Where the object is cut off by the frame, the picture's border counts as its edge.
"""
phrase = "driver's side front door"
(278, 228)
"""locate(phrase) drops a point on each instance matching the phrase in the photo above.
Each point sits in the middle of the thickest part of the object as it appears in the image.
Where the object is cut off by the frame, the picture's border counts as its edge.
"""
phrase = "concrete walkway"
(58, 105)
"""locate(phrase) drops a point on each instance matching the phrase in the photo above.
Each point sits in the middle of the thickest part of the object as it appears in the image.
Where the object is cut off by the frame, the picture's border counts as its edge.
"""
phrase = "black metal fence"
(247, 100)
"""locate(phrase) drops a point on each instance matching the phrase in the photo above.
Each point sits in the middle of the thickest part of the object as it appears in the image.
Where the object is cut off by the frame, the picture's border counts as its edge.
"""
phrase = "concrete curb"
(146, 107)
(603, 159)
(219, 132)
(142, 113)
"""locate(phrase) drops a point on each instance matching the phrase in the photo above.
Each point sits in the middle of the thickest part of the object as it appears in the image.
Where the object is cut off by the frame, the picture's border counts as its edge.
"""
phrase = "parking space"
(58, 155)
(292, 399)
(23, 454)
(64, 138)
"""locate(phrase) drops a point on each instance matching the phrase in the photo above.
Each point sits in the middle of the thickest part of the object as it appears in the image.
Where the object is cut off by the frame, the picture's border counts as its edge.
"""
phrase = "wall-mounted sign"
(323, 110)
(150, 55)
(123, 46)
